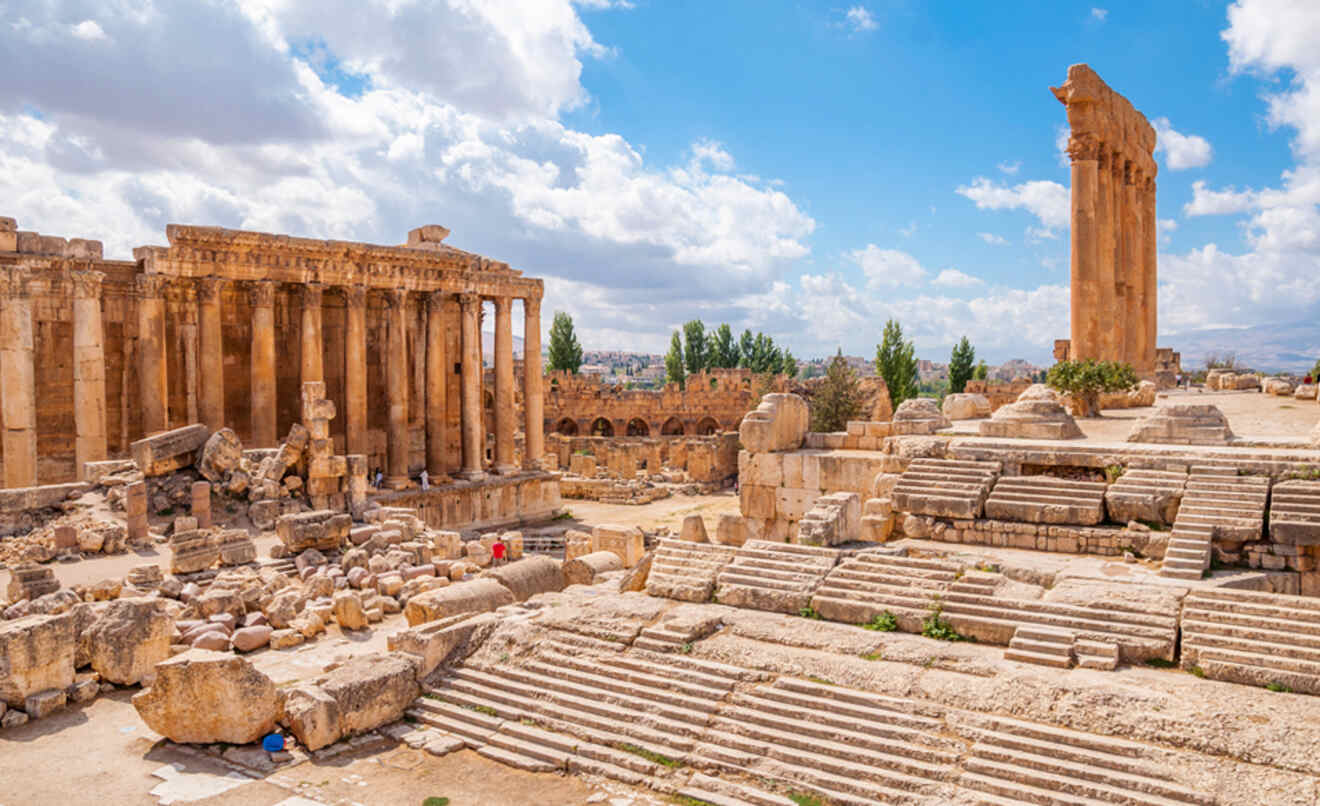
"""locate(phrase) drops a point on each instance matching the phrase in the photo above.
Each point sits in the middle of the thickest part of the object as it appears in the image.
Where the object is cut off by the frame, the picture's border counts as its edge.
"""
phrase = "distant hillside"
(488, 347)
(1291, 347)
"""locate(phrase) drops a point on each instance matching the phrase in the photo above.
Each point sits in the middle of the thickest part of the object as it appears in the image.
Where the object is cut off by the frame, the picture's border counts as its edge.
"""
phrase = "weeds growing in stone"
(649, 755)
(809, 612)
(882, 622)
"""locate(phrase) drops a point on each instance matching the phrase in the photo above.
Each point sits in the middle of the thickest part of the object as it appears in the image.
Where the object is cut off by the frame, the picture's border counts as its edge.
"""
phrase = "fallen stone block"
(36, 653)
(44, 703)
(200, 697)
(359, 696)
(530, 576)
(473, 596)
(584, 570)
(169, 451)
(128, 639)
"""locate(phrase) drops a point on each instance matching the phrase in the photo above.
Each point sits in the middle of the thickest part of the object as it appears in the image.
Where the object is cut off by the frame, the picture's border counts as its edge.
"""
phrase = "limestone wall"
(501, 501)
(708, 459)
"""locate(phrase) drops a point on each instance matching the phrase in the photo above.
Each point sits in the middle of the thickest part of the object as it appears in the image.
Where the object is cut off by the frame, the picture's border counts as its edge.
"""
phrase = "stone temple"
(979, 600)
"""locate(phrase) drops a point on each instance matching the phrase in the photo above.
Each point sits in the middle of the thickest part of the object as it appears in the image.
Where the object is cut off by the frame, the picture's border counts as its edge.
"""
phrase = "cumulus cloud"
(952, 278)
(1099, 14)
(1010, 168)
(992, 239)
(1048, 201)
(860, 19)
(887, 267)
(1181, 151)
(87, 30)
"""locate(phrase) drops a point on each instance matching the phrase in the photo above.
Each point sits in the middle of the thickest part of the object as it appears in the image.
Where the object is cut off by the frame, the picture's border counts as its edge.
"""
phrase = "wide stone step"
(734, 794)
(1274, 663)
(1209, 599)
(645, 663)
(700, 667)
(1022, 655)
(770, 583)
(569, 642)
(1258, 645)
(1276, 631)
(883, 722)
(864, 569)
(519, 760)
(1040, 779)
(467, 727)
(908, 562)
(662, 694)
(1152, 623)
(835, 789)
(879, 597)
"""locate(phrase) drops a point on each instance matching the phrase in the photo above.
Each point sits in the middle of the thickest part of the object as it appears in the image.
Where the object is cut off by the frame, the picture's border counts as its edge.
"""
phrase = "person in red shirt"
(497, 552)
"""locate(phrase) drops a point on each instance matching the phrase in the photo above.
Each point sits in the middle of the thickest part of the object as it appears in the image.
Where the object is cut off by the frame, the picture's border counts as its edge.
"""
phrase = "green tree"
(960, 365)
(838, 399)
(694, 347)
(1315, 371)
(674, 361)
(896, 362)
(746, 345)
(790, 365)
(1086, 380)
(723, 352)
(981, 373)
(565, 352)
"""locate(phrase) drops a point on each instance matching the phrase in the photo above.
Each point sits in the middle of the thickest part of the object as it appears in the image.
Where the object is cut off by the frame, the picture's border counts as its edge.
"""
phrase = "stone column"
(312, 347)
(396, 381)
(504, 386)
(152, 379)
(355, 370)
(1150, 282)
(261, 294)
(211, 337)
(1085, 248)
(1131, 276)
(533, 401)
(1102, 307)
(437, 465)
(88, 370)
(472, 428)
(18, 379)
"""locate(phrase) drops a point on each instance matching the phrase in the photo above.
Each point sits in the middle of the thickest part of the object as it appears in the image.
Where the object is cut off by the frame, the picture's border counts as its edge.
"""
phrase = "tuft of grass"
(1154, 526)
(882, 622)
(1196, 671)
(871, 656)
(1113, 473)
(566, 515)
(686, 649)
(435, 801)
(937, 627)
(989, 568)
(1161, 663)
(803, 799)
(484, 709)
(432, 696)
(809, 612)
(1278, 687)
(649, 755)
(823, 681)
(504, 657)
(684, 800)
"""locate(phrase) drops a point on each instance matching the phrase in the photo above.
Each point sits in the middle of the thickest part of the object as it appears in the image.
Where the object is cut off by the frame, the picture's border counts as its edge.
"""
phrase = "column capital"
(152, 285)
(396, 296)
(261, 293)
(14, 282)
(209, 288)
(437, 299)
(310, 294)
(1084, 147)
(355, 296)
(503, 305)
(532, 305)
(87, 284)
(468, 299)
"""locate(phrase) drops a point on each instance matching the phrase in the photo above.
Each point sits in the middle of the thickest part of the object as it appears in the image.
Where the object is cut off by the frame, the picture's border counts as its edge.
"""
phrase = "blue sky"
(808, 169)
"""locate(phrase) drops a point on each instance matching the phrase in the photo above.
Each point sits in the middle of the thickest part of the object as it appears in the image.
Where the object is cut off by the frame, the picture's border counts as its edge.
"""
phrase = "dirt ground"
(668, 512)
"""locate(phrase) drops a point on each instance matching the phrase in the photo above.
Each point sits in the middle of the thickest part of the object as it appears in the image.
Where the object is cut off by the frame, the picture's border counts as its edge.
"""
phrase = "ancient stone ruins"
(980, 600)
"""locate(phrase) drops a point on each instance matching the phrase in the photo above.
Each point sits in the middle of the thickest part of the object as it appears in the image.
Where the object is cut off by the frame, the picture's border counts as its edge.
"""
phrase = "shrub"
(809, 612)
(882, 622)
(937, 627)
(1086, 380)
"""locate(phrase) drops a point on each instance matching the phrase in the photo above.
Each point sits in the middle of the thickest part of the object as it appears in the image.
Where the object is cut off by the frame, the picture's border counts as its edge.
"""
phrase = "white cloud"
(1038, 234)
(1181, 151)
(1217, 202)
(88, 30)
(909, 230)
(992, 239)
(952, 278)
(860, 19)
(1048, 201)
(1099, 14)
(1010, 168)
(887, 267)
(709, 152)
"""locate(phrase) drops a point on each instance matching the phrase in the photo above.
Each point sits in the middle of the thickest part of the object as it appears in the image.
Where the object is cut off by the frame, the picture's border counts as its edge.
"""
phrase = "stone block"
(200, 697)
(36, 653)
(757, 501)
(44, 703)
(169, 451)
(362, 695)
(584, 570)
(472, 596)
(128, 639)
(779, 423)
(694, 530)
(626, 541)
(221, 454)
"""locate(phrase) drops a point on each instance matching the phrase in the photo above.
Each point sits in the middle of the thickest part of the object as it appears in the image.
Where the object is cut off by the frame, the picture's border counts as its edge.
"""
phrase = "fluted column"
(472, 428)
(312, 347)
(1102, 307)
(396, 381)
(261, 294)
(88, 370)
(1150, 281)
(437, 464)
(533, 402)
(504, 386)
(355, 370)
(153, 386)
(18, 385)
(1085, 267)
(211, 338)
(1131, 264)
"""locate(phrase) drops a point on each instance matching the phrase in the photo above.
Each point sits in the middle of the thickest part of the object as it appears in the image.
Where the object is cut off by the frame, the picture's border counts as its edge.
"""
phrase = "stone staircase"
(1060, 648)
(686, 571)
(1046, 499)
(1015, 762)
(1217, 502)
(1295, 513)
(945, 488)
(870, 583)
(779, 577)
(1253, 638)
(1143, 494)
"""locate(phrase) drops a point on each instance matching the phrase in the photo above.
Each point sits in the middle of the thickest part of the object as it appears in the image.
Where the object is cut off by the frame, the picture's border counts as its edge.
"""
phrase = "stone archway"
(601, 427)
(638, 428)
(673, 427)
(567, 426)
(708, 426)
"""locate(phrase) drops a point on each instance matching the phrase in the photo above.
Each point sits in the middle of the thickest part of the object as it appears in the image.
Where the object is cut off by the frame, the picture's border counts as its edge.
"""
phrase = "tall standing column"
(472, 428)
(153, 386)
(211, 338)
(18, 379)
(504, 386)
(1131, 275)
(437, 465)
(396, 381)
(88, 370)
(533, 403)
(1102, 310)
(312, 346)
(1085, 268)
(355, 370)
(1150, 280)
(262, 298)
